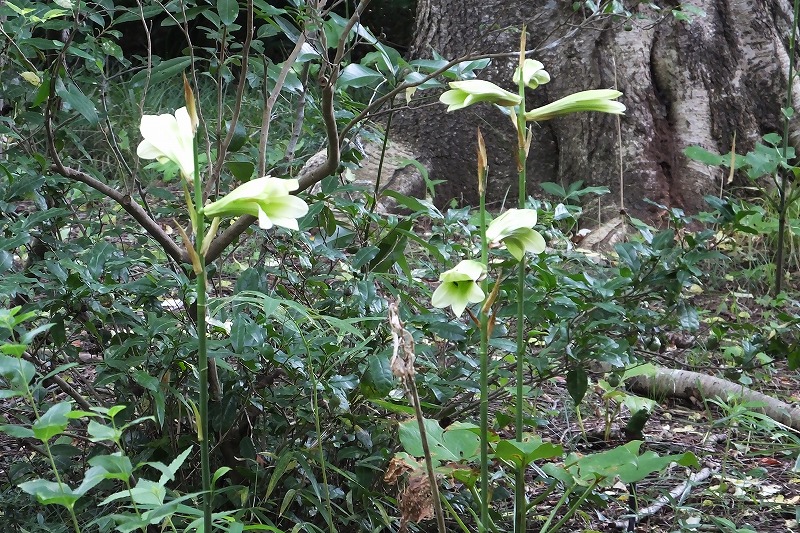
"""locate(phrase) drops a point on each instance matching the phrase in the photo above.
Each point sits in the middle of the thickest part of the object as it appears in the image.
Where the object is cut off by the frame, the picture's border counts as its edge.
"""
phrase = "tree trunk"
(684, 83)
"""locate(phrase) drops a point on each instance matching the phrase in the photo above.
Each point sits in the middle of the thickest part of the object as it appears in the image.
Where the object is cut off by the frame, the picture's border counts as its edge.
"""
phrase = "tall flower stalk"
(520, 505)
(515, 231)
(484, 346)
(171, 138)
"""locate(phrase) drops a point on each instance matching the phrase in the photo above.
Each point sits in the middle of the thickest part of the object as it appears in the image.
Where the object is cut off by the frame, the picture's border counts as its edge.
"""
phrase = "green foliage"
(98, 341)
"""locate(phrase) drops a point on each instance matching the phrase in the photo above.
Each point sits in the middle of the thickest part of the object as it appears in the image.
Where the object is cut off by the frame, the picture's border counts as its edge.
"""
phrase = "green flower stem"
(520, 508)
(202, 350)
(32, 401)
(484, 362)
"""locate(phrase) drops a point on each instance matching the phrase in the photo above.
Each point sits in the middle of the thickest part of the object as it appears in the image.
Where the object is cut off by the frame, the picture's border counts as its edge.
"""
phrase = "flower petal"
(532, 241)
(264, 221)
(511, 220)
(534, 74)
(601, 100)
(267, 198)
(475, 294)
(465, 270)
(169, 137)
(285, 207)
(442, 296)
(468, 92)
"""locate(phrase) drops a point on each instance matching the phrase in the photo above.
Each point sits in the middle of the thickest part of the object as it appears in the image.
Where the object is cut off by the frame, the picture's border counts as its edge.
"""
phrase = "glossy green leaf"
(704, 156)
(17, 372)
(228, 10)
(531, 449)
(357, 76)
(116, 465)
(100, 432)
(378, 379)
(626, 464)
(285, 463)
(577, 384)
(50, 492)
(78, 101)
(52, 422)
(19, 432)
(241, 170)
(446, 445)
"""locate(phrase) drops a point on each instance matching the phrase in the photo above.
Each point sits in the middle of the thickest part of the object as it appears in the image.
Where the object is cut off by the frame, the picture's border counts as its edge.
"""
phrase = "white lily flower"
(534, 74)
(601, 100)
(267, 198)
(514, 229)
(468, 92)
(169, 138)
(459, 286)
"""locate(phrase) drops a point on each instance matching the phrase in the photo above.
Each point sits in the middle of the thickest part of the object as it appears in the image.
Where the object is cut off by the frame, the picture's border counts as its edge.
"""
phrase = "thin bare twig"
(237, 105)
(269, 104)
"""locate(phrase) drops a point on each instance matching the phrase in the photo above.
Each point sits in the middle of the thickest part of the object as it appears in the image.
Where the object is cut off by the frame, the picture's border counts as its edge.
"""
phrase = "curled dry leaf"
(397, 467)
(416, 504)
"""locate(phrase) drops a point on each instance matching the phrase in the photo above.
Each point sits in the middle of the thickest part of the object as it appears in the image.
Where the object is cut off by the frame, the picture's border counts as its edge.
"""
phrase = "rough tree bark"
(683, 84)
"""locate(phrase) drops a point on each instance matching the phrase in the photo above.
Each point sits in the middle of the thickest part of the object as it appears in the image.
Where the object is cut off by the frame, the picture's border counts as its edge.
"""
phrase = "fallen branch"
(687, 384)
(677, 494)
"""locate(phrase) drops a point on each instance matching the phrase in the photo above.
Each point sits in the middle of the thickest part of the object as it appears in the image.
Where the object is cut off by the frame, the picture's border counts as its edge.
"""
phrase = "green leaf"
(704, 156)
(50, 492)
(17, 372)
(285, 462)
(241, 170)
(531, 449)
(14, 350)
(378, 379)
(391, 246)
(19, 432)
(53, 422)
(78, 101)
(221, 471)
(163, 71)
(228, 10)
(392, 407)
(168, 472)
(357, 76)
(554, 189)
(577, 384)
(116, 465)
(451, 445)
(99, 432)
(419, 207)
(625, 463)
(364, 255)
(687, 316)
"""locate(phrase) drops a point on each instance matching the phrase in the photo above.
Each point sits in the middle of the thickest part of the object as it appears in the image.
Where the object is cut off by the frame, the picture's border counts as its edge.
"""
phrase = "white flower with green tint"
(169, 138)
(514, 229)
(267, 198)
(601, 100)
(534, 74)
(459, 286)
(468, 92)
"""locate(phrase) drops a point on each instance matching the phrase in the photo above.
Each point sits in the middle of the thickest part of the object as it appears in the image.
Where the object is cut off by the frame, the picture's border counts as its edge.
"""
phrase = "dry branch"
(687, 384)
(677, 494)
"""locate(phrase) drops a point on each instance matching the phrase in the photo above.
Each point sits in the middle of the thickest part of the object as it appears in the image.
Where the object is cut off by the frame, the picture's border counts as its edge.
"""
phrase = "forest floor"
(750, 469)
